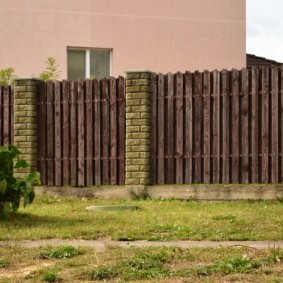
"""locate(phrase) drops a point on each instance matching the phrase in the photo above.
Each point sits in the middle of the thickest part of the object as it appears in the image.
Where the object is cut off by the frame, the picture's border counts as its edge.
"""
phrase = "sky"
(265, 28)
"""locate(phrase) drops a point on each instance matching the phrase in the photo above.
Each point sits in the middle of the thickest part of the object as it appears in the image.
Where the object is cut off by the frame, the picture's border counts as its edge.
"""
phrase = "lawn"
(65, 218)
(158, 264)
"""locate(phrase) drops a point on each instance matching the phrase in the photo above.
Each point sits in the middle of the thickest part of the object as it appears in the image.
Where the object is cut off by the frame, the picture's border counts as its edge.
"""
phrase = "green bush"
(6, 76)
(12, 189)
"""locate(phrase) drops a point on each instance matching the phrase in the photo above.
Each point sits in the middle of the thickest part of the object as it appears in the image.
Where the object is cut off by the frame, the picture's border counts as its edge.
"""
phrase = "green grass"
(151, 264)
(64, 218)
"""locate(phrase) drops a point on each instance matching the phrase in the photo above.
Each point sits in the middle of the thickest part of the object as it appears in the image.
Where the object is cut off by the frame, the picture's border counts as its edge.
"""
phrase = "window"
(88, 63)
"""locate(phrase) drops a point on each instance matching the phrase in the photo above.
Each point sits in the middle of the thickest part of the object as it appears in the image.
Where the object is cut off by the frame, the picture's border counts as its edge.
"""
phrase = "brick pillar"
(25, 121)
(138, 128)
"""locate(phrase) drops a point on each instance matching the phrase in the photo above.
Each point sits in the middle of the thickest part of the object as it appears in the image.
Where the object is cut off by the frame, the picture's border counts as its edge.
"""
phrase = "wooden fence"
(6, 114)
(217, 127)
(82, 132)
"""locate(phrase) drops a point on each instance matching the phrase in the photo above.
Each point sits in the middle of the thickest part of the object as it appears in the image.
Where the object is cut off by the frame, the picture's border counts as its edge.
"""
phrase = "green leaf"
(21, 164)
(3, 186)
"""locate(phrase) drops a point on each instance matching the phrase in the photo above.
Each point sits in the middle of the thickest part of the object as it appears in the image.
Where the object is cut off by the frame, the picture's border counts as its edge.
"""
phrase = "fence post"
(138, 128)
(25, 121)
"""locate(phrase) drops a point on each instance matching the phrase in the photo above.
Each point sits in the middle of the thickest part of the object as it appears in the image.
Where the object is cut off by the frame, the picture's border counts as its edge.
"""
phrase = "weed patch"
(60, 252)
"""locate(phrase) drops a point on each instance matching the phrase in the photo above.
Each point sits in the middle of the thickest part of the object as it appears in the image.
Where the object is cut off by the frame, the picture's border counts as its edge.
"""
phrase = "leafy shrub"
(6, 76)
(51, 73)
(12, 189)
(51, 275)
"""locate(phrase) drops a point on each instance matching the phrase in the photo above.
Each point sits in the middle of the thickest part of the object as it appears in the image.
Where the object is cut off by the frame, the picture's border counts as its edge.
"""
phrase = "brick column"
(25, 121)
(138, 128)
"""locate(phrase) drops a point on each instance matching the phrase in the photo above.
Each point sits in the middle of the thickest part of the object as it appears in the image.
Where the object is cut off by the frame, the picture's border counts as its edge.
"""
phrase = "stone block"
(20, 139)
(133, 129)
(20, 88)
(145, 155)
(135, 115)
(133, 89)
(133, 102)
(140, 135)
(132, 142)
(144, 122)
(145, 88)
(133, 75)
(140, 148)
(140, 95)
(133, 155)
(145, 129)
(145, 115)
(130, 182)
(132, 168)
(140, 82)
(140, 108)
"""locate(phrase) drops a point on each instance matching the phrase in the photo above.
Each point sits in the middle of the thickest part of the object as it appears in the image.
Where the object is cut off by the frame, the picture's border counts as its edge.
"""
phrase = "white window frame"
(87, 58)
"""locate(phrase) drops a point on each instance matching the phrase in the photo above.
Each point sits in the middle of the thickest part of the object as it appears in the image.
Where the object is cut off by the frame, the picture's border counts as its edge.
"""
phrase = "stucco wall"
(157, 35)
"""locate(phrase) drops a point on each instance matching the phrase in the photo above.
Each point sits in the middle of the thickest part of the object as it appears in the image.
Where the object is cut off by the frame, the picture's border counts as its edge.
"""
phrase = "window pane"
(76, 64)
(100, 63)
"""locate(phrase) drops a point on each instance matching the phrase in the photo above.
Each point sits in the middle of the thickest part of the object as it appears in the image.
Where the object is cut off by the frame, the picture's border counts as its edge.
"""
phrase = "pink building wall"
(157, 35)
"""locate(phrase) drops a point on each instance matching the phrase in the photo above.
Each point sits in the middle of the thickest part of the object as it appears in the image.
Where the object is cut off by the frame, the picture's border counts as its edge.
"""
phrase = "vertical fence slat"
(225, 127)
(179, 128)
(160, 129)
(97, 132)
(189, 128)
(73, 132)
(153, 129)
(6, 114)
(235, 126)
(42, 126)
(274, 126)
(1, 115)
(207, 128)
(281, 124)
(113, 131)
(216, 127)
(255, 126)
(50, 134)
(121, 130)
(170, 129)
(58, 137)
(105, 132)
(89, 132)
(245, 126)
(65, 133)
(81, 135)
(265, 130)
(198, 125)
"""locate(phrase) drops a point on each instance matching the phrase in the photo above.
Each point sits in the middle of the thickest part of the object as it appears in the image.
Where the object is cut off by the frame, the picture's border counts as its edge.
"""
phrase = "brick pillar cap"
(139, 71)
(27, 78)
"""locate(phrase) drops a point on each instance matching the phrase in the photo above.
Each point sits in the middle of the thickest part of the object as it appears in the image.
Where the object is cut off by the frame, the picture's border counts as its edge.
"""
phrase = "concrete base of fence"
(184, 192)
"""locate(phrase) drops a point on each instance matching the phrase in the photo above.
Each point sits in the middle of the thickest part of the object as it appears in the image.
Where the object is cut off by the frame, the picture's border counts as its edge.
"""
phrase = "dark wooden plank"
(226, 127)
(206, 127)
(198, 126)
(42, 132)
(89, 132)
(235, 126)
(65, 134)
(6, 114)
(170, 129)
(265, 129)
(58, 137)
(113, 131)
(245, 126)
(255, 126)
(189, 128)
(179, 128)
(281, 124)
(1, 113)
(50, 134)
(81, 134)
(153, 129)
(274, 126)
(97, 133)
(73, 131)
(160, 131)
(105, 132)
(121, 130)
(216, 128)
